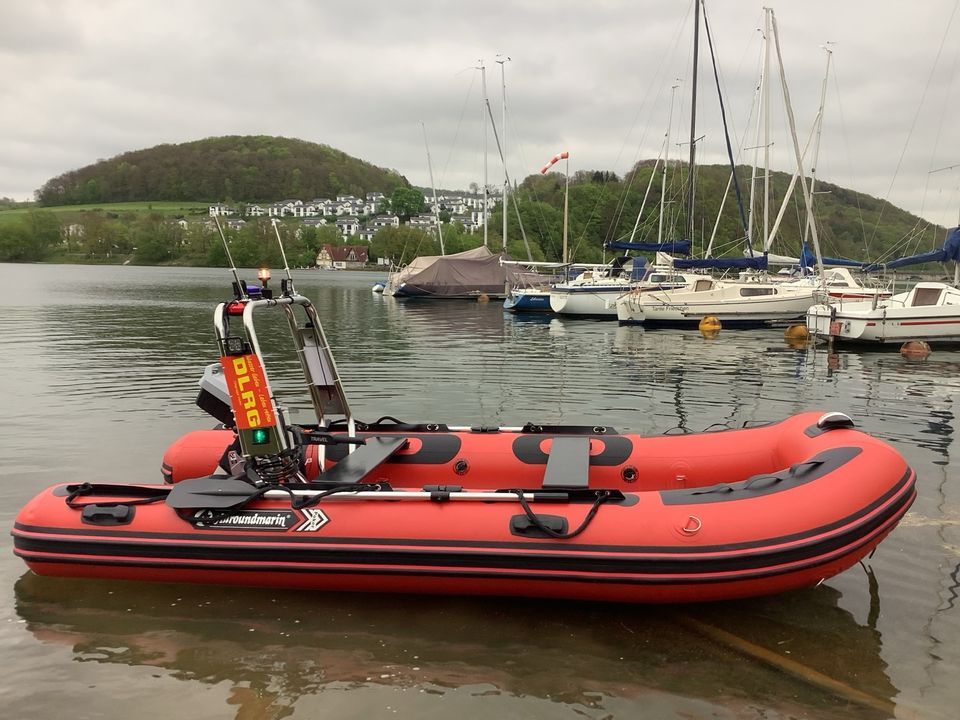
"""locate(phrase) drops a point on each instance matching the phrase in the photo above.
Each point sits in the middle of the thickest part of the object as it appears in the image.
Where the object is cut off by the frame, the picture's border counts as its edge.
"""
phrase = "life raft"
(568, 512)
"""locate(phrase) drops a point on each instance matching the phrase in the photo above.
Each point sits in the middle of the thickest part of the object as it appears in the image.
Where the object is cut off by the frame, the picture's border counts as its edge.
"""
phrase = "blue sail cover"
(757, 262)
(679, 247)
(949, 251)
(808, 260)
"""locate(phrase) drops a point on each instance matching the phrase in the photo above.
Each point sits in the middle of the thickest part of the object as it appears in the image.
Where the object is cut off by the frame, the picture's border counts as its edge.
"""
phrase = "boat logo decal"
(314, 519)
(281, 520)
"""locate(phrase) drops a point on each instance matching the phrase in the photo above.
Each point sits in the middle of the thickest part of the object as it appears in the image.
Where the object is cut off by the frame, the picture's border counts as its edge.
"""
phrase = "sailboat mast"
(768, 13)
(816, 143)
(503, 144)
(436, 205)
(807, 200)
(666, 161)
(566, 211)
(483, 85)
(693, 118)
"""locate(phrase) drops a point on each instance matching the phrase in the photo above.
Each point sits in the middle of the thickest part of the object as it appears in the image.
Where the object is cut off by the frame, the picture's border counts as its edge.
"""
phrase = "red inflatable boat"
(565, 512)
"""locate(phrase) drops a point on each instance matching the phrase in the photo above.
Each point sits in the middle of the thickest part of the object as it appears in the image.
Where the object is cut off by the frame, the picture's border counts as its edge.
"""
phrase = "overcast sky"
(89, 79)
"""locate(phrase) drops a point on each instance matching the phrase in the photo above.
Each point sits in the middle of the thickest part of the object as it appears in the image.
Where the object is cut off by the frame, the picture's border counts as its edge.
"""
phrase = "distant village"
(358, 218)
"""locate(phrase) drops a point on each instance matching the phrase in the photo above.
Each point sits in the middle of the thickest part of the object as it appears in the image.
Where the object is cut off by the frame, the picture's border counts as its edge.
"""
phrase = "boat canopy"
(808, 259)
(459, 272)
(949, 251)
(680, 247)
(757, 262)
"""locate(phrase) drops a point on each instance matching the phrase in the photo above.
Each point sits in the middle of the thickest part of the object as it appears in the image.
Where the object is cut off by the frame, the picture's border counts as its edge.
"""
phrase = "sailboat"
(470, 274)
(929, 311)
(736, 304)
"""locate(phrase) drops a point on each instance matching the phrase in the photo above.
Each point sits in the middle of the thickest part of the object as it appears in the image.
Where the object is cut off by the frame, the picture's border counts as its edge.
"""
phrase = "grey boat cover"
(471, 272)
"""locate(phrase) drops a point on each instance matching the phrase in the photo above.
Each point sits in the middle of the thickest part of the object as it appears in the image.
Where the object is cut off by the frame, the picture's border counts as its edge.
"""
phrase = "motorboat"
(547, 511)
(929, 311)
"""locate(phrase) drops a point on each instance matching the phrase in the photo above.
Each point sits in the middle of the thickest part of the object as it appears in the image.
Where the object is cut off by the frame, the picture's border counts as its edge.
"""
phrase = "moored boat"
(929, 311)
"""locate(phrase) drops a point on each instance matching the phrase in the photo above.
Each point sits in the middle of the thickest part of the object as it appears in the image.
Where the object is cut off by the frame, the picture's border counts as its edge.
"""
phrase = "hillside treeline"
(235, 168)
(603, 207)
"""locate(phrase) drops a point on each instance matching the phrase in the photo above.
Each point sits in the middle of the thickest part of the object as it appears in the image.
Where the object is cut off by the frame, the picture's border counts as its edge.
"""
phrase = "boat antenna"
(288, 283)
(238, 283)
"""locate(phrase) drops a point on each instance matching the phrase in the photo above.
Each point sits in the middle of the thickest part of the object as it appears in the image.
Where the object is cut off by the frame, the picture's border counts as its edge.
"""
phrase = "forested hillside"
(239, 168)
(604, 207)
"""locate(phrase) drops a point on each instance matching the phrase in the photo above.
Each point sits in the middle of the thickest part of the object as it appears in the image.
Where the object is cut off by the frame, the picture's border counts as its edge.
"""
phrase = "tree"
(402, 244)
(407, 202)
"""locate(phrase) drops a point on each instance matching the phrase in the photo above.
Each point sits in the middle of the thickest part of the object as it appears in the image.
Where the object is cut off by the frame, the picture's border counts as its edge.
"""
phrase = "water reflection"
(799, 655)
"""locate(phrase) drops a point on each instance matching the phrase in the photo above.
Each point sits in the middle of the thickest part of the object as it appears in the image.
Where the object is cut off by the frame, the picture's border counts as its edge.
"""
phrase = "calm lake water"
(99, 375)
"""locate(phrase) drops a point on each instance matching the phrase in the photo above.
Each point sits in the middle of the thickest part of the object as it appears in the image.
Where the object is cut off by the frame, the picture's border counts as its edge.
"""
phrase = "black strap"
(75, 491)
(602, 497)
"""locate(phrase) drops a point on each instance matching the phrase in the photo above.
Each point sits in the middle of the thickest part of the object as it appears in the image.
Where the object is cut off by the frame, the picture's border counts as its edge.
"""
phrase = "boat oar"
(213, 493)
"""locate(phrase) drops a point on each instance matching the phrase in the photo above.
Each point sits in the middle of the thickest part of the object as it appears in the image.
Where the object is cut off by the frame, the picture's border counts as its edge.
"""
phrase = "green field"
(174, 208)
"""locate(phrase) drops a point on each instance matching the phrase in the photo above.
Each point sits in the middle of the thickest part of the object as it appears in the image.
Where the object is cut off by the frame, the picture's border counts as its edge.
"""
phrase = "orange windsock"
(559, 156)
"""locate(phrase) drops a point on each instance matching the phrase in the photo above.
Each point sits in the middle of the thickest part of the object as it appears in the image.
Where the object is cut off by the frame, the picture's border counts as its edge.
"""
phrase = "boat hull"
(596, 302)
(687, 518)
(892, 322)
(782, 308)
(528, 301)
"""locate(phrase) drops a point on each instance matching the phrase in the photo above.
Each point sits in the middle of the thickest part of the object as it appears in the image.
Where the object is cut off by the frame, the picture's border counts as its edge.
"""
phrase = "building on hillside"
(383, 221)
(427, 222)
(221, 210)
(348, 226)
(342, 257)
(366, 233)
(255, 211)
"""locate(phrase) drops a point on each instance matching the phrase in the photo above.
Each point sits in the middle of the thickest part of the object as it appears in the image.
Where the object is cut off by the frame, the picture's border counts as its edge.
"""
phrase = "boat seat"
(358, 465)
(568, 464)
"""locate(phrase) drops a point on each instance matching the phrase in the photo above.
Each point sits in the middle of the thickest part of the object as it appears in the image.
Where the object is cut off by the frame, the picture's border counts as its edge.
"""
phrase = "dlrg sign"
(248, 391)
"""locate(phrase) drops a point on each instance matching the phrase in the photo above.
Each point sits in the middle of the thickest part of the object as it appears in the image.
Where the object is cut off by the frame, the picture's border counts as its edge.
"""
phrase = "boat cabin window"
(925, 296)
(753, 291)
(702, 285)
(664, 278)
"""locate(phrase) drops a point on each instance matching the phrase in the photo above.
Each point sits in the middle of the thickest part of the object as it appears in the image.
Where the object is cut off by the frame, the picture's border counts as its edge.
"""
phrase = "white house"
(348, 226)
(255, 211)
(221, 209)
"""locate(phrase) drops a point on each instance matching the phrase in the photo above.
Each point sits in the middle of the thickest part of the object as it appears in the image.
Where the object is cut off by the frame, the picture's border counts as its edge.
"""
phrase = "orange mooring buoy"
(710, 326)
(915, 349)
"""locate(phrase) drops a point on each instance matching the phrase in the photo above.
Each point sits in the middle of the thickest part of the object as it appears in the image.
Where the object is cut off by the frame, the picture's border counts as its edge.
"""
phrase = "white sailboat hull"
(745, 305)
(596, 301)
(928, 312)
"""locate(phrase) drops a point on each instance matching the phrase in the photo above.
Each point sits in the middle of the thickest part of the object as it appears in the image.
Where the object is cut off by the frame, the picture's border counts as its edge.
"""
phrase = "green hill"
(604, 207)
(247, 168)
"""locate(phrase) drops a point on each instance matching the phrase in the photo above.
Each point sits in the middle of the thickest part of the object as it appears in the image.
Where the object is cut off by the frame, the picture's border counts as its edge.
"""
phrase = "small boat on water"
(581, 512)
(464, 275)
(928, 312)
